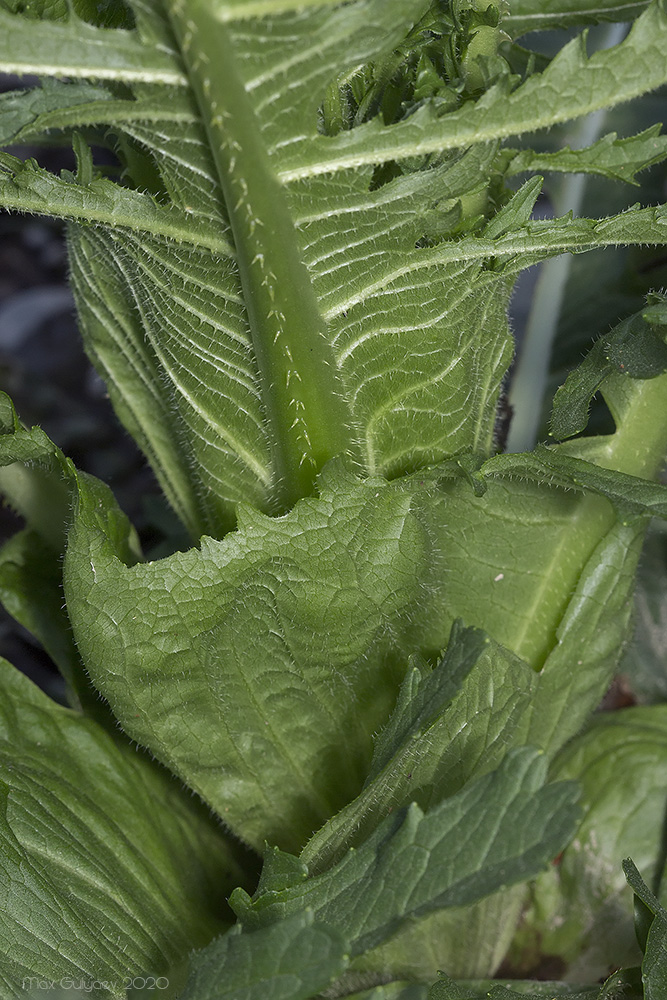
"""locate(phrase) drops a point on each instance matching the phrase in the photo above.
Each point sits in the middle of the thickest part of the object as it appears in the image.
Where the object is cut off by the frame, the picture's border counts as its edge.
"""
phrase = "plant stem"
(308, 417)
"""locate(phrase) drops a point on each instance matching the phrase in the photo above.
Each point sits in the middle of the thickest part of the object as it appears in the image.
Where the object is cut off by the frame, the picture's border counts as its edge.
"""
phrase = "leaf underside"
(92, 887)
(412, 313)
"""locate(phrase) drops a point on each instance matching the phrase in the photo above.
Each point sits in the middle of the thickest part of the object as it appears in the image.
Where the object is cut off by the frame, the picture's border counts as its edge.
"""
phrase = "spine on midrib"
(309, 419)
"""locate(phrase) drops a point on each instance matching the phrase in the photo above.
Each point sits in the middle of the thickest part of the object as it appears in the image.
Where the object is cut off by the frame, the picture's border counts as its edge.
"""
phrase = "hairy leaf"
(264, 644)
(309, 253)
(358, 572)
(83, 50)
(645, 660)
(292, 960)
(417, 862)
(33, 477)
(107, 870)
(28, 187)
(610, 156)
(459, 939)
(296, 623)
(636, 348)
(633, 496)
(623, 985)
(19, 108)
(448, 726)
(204, 375)
(393, 991)
(560, 596)
(589, 638)
(30, 590)
(448, 989)
(572, 85)
(37, 480)
(380, 570)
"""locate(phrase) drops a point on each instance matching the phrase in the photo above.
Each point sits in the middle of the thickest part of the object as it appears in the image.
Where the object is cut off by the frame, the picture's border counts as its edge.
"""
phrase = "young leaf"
(572, 681)
(654, 931)
(622, 277)
(586, 622)
(610, 156)
(517, 555)
(201, 603)
(20, 108)
(291, 960)
(33, 477)
(27, 187)
(414, 863)
(393, 991)
(573, 84)
(108, 869)
(449, 725)
(37, 480)
(249, 307)
(448, 989)
(221, 409)
(201, 647)
(469, 941)
(621, 986)
(635, 348)
(589, 638)
(645, 660)
(365, 282)
(631, 495)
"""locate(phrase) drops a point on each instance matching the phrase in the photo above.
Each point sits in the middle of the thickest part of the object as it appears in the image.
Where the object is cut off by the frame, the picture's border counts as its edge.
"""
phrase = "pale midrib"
(590, 509)
(87, 72)
(308, 418)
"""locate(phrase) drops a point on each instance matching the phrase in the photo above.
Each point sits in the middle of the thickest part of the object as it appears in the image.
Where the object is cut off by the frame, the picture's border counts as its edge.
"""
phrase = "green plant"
(378, 662)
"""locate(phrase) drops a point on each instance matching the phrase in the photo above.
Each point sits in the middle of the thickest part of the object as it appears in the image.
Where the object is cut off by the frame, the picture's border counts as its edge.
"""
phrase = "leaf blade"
(448, 726)
(375, 889)
(292, 960)
(94, 887)
(606, 78)
(83, 51)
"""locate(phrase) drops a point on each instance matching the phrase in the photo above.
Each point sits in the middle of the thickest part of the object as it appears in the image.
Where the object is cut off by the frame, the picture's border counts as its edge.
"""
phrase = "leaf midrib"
(307, 414)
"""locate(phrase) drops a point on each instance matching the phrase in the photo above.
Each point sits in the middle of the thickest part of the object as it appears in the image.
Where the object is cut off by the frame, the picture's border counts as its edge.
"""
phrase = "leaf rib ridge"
(308, 419)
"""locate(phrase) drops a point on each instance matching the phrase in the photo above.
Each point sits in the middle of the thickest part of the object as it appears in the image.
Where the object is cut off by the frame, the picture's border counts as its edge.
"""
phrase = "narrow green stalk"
(307, 414)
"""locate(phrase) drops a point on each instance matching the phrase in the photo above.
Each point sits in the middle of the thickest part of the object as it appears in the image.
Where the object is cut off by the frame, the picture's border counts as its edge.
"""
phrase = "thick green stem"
(308, 416)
